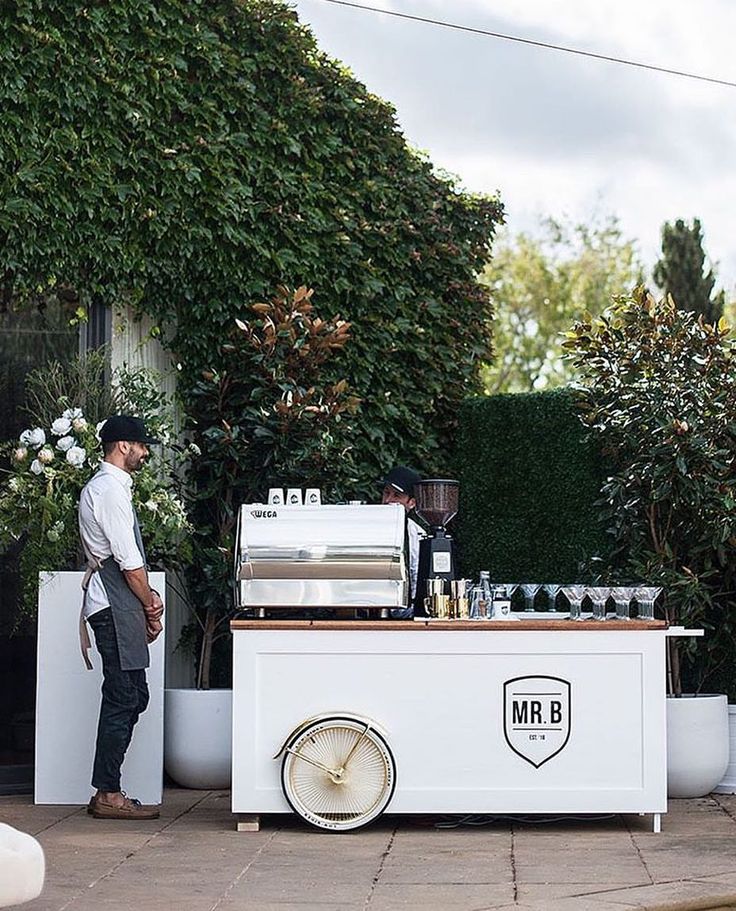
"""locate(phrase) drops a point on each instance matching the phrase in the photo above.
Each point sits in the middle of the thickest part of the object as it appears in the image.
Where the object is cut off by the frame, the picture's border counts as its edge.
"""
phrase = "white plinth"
(452, 703)
(68, 703)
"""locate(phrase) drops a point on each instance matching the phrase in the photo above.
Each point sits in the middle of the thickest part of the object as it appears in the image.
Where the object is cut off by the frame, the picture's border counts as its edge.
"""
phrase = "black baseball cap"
(123, 427)
(402, 479)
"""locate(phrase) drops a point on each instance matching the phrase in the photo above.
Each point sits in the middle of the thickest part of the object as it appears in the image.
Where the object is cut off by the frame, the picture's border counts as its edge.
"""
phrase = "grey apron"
(128, 616)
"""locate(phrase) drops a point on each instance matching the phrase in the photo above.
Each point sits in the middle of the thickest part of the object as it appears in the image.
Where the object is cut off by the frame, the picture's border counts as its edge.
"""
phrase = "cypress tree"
(681, 271)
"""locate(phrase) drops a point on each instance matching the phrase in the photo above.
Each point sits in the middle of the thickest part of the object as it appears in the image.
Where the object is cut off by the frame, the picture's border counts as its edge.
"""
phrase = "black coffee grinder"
(436, 504)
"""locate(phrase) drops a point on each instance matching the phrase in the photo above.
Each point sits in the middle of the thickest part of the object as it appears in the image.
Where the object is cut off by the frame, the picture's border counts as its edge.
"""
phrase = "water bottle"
(485, 584)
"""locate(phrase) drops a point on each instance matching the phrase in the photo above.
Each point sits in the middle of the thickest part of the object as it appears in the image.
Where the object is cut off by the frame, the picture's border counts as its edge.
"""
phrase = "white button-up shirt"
(106, 528)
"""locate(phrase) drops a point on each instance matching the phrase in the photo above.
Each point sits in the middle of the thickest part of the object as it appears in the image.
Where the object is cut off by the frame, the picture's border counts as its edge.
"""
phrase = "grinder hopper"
(436, 503)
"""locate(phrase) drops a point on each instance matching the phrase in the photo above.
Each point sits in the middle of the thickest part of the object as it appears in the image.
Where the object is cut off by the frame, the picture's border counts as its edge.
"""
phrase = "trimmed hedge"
(529, 478)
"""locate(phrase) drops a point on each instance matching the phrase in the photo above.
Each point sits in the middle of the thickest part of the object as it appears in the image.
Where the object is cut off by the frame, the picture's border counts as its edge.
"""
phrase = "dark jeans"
(124, 697)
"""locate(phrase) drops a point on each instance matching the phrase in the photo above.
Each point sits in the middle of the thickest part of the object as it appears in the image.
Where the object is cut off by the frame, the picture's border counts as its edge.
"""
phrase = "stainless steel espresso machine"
(297, 558)
(436, 504)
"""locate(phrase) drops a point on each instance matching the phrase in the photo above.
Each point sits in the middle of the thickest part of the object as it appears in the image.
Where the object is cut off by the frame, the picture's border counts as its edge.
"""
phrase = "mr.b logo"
(536, 717)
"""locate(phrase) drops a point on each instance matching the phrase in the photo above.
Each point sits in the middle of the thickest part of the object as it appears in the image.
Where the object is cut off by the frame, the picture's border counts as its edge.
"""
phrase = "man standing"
(120, 606)
(398, 487)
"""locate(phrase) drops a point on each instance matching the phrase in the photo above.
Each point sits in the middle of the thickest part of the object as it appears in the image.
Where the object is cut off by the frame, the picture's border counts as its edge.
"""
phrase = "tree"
(540, 284)
(681, 271)
(659, 388)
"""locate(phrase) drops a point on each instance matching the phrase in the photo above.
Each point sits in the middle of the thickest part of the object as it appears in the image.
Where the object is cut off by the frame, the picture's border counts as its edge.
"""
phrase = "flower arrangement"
(40, 492)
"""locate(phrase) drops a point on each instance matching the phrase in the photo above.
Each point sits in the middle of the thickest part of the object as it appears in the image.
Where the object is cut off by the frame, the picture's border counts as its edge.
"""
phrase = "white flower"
(36, 467)
(46, 455)
(52, 534)
(79, 424)
(72, 414)
(65, 443)
(33, 438)
(61, 427)
(76, 456)
(151, 505)
(194, 449)
(20, 454)
(14, 484)
(99, 427)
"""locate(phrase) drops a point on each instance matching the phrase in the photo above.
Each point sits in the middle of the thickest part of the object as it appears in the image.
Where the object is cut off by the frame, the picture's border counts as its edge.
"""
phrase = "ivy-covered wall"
(187, 156)
(529, 478)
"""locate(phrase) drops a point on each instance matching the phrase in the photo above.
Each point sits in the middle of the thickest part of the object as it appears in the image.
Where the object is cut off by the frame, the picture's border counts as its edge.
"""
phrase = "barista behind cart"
(398, 487)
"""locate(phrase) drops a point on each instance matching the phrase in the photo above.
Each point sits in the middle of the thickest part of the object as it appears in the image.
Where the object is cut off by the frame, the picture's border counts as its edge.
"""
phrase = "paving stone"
(254, 888)
(440, 897)
(449, 867)
(534, 892)
(689, 857)
(662, 895)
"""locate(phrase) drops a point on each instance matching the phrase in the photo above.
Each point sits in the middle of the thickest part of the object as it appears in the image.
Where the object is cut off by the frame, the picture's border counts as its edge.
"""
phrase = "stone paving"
(192, 859)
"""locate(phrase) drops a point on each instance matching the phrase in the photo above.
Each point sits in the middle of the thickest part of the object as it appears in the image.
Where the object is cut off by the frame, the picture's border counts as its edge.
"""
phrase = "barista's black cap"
(402, 479)
(124, 427)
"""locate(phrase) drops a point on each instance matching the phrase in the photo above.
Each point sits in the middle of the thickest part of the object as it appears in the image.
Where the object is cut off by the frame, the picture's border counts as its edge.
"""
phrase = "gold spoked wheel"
(338, 774)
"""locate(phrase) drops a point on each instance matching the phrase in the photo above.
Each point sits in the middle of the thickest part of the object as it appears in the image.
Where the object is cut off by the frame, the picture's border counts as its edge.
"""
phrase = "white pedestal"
(68, 703)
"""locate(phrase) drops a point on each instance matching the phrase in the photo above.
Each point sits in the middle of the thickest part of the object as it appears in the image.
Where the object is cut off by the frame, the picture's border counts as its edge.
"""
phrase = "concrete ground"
(192, 859)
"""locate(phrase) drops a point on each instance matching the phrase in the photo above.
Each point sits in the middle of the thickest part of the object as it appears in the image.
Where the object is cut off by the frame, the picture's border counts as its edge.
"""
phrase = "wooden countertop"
(403, 626)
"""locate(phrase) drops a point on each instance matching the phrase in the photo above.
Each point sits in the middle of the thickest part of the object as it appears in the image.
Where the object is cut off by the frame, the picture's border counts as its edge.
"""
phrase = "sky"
(556, 134)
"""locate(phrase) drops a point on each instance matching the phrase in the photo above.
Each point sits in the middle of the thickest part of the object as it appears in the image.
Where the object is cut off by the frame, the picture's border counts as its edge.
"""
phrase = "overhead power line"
(552, 47)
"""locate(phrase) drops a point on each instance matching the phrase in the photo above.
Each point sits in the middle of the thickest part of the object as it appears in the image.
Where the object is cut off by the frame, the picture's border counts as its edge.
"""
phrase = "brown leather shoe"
(130, 809)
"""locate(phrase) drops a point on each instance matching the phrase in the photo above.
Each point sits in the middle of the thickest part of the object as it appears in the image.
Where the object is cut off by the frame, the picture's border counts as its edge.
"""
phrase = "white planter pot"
(65, 738)
(198, 737)
(697, 744)
(728, 782)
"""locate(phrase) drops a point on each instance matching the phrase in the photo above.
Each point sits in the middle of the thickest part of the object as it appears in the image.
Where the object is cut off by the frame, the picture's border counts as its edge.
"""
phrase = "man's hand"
(153, 630)
(155, 609)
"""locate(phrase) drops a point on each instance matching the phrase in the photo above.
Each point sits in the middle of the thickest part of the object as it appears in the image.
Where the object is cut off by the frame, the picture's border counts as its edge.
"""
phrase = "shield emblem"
(536, 717)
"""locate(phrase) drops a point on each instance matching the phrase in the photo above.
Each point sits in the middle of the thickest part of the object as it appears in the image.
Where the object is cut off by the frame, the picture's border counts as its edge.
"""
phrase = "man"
(120, 606)
(398, 487)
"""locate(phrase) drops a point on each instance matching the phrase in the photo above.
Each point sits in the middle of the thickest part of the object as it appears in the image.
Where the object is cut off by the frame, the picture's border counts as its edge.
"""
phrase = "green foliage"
(264, 418)
(529, 479)
(189, 156)
(681, 271)
(660, 390)
(27, 339)
(76, 383)
(539, 284)
(56, 456)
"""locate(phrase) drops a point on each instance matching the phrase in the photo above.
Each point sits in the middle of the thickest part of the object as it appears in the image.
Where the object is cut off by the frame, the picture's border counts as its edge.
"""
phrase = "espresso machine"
(436, 504)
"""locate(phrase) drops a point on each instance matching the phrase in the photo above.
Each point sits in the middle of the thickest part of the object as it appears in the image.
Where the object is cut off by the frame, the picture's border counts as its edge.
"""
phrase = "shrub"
(660, 392)
(266, 416)
(529, 479)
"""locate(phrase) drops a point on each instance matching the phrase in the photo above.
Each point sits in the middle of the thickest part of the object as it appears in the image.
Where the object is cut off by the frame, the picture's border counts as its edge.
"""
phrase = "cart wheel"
(338, 774)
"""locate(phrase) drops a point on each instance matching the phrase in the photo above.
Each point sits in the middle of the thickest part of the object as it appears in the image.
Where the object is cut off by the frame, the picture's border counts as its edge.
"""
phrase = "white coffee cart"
(343, 720)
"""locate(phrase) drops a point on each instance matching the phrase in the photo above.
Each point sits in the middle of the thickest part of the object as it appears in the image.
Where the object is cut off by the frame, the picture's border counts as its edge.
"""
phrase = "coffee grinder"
(436, 504)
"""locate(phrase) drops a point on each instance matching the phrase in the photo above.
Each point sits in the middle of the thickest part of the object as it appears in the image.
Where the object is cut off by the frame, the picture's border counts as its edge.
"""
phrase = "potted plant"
(57, 454)
(262, 415)
(47, 466)
(659, 387)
